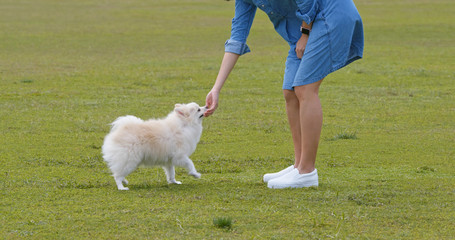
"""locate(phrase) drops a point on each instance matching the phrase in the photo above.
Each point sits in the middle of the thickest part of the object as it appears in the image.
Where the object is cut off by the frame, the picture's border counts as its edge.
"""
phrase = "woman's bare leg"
(293, 112)
(310, 113)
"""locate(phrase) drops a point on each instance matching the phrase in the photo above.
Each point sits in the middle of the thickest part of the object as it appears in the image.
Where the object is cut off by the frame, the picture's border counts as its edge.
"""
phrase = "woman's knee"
(307, 91)
(289, 96)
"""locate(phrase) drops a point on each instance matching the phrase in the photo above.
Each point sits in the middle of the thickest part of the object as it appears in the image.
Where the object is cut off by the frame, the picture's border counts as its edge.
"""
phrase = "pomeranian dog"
(164, 142)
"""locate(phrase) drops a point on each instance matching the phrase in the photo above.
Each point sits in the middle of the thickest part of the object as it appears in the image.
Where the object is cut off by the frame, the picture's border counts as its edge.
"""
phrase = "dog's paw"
(196, 175)
(123, 189)
(175, 182)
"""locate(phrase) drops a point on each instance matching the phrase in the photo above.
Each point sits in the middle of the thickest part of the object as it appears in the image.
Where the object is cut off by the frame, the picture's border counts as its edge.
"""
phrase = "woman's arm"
(228, 63)
(301, 43)
(306, 11)
(234, 47)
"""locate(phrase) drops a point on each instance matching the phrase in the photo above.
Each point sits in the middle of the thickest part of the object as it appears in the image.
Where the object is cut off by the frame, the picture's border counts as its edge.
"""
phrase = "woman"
(324, 36)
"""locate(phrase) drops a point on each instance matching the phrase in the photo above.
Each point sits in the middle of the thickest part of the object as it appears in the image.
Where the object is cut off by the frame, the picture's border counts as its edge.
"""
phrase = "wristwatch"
(304, 30)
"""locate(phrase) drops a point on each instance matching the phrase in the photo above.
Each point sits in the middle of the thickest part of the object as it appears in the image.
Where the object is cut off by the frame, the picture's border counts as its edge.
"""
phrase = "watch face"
(304, 31)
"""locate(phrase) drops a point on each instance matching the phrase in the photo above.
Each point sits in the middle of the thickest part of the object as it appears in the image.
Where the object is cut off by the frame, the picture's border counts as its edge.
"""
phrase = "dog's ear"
(180, 110)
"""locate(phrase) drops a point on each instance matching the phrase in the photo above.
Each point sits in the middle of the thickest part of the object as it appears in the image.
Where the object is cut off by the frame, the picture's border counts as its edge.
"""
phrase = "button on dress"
(336, 38)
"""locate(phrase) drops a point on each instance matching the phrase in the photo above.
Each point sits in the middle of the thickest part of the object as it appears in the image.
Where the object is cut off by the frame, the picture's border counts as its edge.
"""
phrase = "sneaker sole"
(311, 184)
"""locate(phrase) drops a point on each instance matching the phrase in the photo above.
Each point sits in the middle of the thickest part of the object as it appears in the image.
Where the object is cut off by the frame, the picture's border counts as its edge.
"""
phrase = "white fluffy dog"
(164, 142)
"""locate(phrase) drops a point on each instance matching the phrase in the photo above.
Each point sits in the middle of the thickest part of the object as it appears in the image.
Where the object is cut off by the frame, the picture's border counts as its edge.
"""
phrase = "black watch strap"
(304, 30)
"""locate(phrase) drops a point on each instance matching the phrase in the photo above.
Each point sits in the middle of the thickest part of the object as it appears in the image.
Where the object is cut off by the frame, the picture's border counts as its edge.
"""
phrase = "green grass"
(69, 68)
(223, 222)
(344, 135)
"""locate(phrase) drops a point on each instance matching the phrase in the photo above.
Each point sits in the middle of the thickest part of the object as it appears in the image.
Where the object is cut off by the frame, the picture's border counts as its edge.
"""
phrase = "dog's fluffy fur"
(164, 142)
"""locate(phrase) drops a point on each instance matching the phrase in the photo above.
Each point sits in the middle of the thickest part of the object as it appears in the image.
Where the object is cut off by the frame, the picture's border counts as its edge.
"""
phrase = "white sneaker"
(294, 179)
(270, 176)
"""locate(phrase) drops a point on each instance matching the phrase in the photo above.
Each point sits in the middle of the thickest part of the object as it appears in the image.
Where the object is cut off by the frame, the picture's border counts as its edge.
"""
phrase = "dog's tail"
(125, 120)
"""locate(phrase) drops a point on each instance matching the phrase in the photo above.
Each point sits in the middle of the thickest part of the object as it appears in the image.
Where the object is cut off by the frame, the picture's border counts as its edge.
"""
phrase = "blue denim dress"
(336, 38)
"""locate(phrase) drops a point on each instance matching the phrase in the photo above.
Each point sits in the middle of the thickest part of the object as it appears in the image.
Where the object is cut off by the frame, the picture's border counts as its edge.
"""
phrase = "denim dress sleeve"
(241, 25)
(307, 10)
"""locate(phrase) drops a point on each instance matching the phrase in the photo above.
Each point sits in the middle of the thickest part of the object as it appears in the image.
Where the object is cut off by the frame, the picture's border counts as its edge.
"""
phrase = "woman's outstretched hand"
(211, 102)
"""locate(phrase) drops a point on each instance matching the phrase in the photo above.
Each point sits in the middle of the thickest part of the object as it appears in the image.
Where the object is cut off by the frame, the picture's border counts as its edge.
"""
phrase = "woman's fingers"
(299, 52)
(301, 45)
(212, 103)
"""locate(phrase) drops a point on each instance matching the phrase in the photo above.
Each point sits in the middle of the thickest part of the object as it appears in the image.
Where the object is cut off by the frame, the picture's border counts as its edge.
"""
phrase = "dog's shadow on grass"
(73, 184)
(186, 186)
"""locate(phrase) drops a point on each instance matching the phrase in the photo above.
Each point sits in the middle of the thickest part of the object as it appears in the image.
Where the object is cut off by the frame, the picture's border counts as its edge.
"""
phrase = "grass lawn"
(69, 68)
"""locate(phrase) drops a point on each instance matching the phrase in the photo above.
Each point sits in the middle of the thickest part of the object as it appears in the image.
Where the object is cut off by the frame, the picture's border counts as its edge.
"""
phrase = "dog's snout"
(203, 109)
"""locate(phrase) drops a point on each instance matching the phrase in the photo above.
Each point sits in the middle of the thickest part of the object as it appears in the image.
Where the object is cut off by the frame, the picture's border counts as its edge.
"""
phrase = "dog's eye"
(198, 109)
